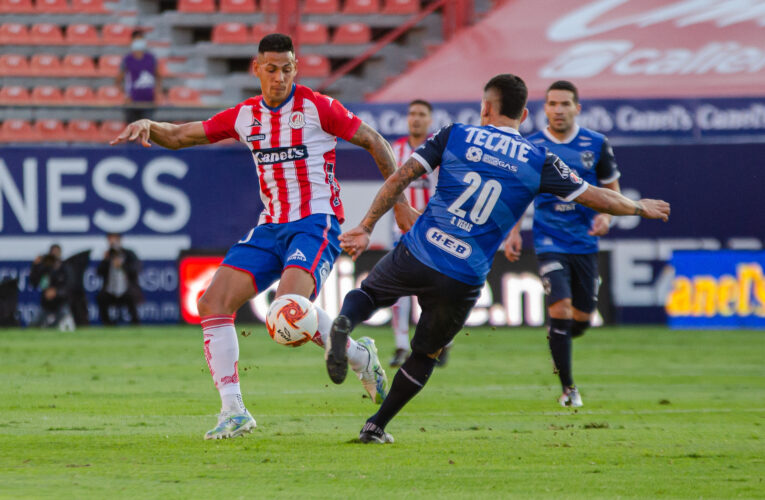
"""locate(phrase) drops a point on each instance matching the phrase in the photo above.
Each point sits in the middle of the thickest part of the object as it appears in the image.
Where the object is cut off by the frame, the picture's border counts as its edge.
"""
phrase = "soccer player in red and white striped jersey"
(419, 118)
(291, 132)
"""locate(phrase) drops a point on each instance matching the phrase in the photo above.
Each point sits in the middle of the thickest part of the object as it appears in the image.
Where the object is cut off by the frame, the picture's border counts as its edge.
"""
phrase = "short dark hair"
(564, 85)
(512, 94)
(275, 42)
(421, 102)
(137, 34)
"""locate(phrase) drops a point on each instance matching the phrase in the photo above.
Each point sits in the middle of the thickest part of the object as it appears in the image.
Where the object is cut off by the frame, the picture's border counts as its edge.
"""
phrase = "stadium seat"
(401, 6)
(313, 66)
(230, 33)
(110, 95)
(52, 6)
(17, 7)
(196, 6)
(50, 130)
(82, 34)
(361, 7)
(321, 7)
(352, 33)
(16, 130)
(261, 30)
(80, 95)
(109, 129)
(14, 65)
(269, 6)
(183, 96)
(47, 94)
(82, 131)
(45, 65)
(237, 6)
(89, 7)
(14, 34)
(46, 34)
(109, 65)
(117, 34)
(14, 94)
(313, 34)
(78, 65)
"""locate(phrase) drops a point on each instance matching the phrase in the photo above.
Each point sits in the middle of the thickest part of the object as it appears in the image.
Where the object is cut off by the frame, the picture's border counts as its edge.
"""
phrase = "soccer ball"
(292, 320)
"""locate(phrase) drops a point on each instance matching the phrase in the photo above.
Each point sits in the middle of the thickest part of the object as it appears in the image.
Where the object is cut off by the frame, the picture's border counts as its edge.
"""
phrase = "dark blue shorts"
(570, 276)
(310, 243)
(445, 302)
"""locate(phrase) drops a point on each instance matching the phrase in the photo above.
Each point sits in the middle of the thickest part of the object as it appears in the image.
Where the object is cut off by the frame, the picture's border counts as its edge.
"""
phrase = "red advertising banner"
(609, 48)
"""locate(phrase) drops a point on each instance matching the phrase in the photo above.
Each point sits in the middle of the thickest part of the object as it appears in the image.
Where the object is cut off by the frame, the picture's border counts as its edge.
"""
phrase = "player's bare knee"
(561, 309)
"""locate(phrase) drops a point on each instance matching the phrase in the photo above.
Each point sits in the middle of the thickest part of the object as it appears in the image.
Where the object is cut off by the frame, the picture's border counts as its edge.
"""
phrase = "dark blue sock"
(409, 380)
(357, 306)
(559, 338)
(579, 327)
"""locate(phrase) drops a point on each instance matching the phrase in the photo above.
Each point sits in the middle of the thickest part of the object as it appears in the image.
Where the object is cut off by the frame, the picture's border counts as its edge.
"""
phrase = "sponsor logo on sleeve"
(562, 168)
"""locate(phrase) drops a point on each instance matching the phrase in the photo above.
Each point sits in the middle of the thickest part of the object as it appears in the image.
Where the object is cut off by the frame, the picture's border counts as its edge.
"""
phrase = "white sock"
(358, 357)
(401, 310)
(222, 354)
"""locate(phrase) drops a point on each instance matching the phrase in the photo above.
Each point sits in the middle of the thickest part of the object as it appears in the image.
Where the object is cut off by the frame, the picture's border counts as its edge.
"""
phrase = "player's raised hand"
(513, 246)
(355, 241)
(137, 131)
(601, 223)
(653, 209)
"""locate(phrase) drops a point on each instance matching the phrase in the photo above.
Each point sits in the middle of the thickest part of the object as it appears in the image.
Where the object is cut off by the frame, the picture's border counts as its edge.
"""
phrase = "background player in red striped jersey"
(419, 118)
(291, 132)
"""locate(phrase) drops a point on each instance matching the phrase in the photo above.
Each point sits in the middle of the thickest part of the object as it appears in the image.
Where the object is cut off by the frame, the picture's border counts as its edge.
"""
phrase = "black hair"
(275, 42)
(512, 94)
(421, 102)
(565, 85)
(137, 34)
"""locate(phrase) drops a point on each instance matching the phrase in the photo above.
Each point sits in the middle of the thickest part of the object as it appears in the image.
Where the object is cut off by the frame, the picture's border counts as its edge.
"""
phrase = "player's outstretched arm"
(356, 240)
(167, 135)
(369, 139)
(610, 202)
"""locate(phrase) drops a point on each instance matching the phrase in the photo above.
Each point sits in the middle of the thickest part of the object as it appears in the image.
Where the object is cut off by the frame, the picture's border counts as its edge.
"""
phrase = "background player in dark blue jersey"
(488, 176)
(566, 234)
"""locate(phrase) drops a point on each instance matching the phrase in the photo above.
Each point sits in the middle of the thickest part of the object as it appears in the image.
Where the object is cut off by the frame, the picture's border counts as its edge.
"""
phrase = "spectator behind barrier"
(49, 274)
(119, 271)
(140, 79)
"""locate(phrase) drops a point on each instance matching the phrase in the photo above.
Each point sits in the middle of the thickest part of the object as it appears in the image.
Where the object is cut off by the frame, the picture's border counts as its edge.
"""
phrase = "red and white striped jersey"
(421, 189)
(293, 146)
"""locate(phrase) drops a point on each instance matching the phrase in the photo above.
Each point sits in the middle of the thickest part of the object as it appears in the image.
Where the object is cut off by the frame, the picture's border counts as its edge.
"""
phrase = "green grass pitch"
(120, 413)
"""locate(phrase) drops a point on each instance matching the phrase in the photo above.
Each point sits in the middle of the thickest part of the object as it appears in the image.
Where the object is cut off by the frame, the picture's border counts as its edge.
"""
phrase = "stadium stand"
(238, 6)
(313, 66)
(47, 94)
(183, 96)
(117, 34)
(313, 34)
(17, 130)
(50, 130)
(82, 34)
(401, 7)
(258, 31)
(14, 65)
(14, 34)
(79, 95)
(110, 95)
(46, 34)
(352, 34)
(321, 6)
(17, 7)
(52, 7)
(82, 131)
(109, 129)
(361, 7)
(14, 95)
(109, 65)
(230, 33)
(78, 65)
(45, 65)
(196, 6)
(270, 6)
(89, 7)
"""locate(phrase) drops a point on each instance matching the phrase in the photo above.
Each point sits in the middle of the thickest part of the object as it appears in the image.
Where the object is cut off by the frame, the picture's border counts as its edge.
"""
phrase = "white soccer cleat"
(232, 424)
(373, 376)
(571, 397)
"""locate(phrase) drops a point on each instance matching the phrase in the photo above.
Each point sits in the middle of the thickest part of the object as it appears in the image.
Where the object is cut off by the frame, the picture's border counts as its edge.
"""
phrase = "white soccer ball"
(292, 320)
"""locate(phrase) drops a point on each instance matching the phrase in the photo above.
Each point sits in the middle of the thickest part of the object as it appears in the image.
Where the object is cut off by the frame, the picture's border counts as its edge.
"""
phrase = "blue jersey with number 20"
(488, 177)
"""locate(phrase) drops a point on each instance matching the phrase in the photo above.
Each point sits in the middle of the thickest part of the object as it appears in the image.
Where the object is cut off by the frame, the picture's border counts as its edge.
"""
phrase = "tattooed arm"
(356, 240)
(369, 139)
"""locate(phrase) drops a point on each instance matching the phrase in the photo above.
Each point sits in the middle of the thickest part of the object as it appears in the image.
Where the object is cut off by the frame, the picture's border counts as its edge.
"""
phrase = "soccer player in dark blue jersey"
(488, 175)
(566, 234)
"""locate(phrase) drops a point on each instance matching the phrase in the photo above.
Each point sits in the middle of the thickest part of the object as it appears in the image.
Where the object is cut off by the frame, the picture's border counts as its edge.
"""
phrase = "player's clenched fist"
(137, 131)
(653, 209)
